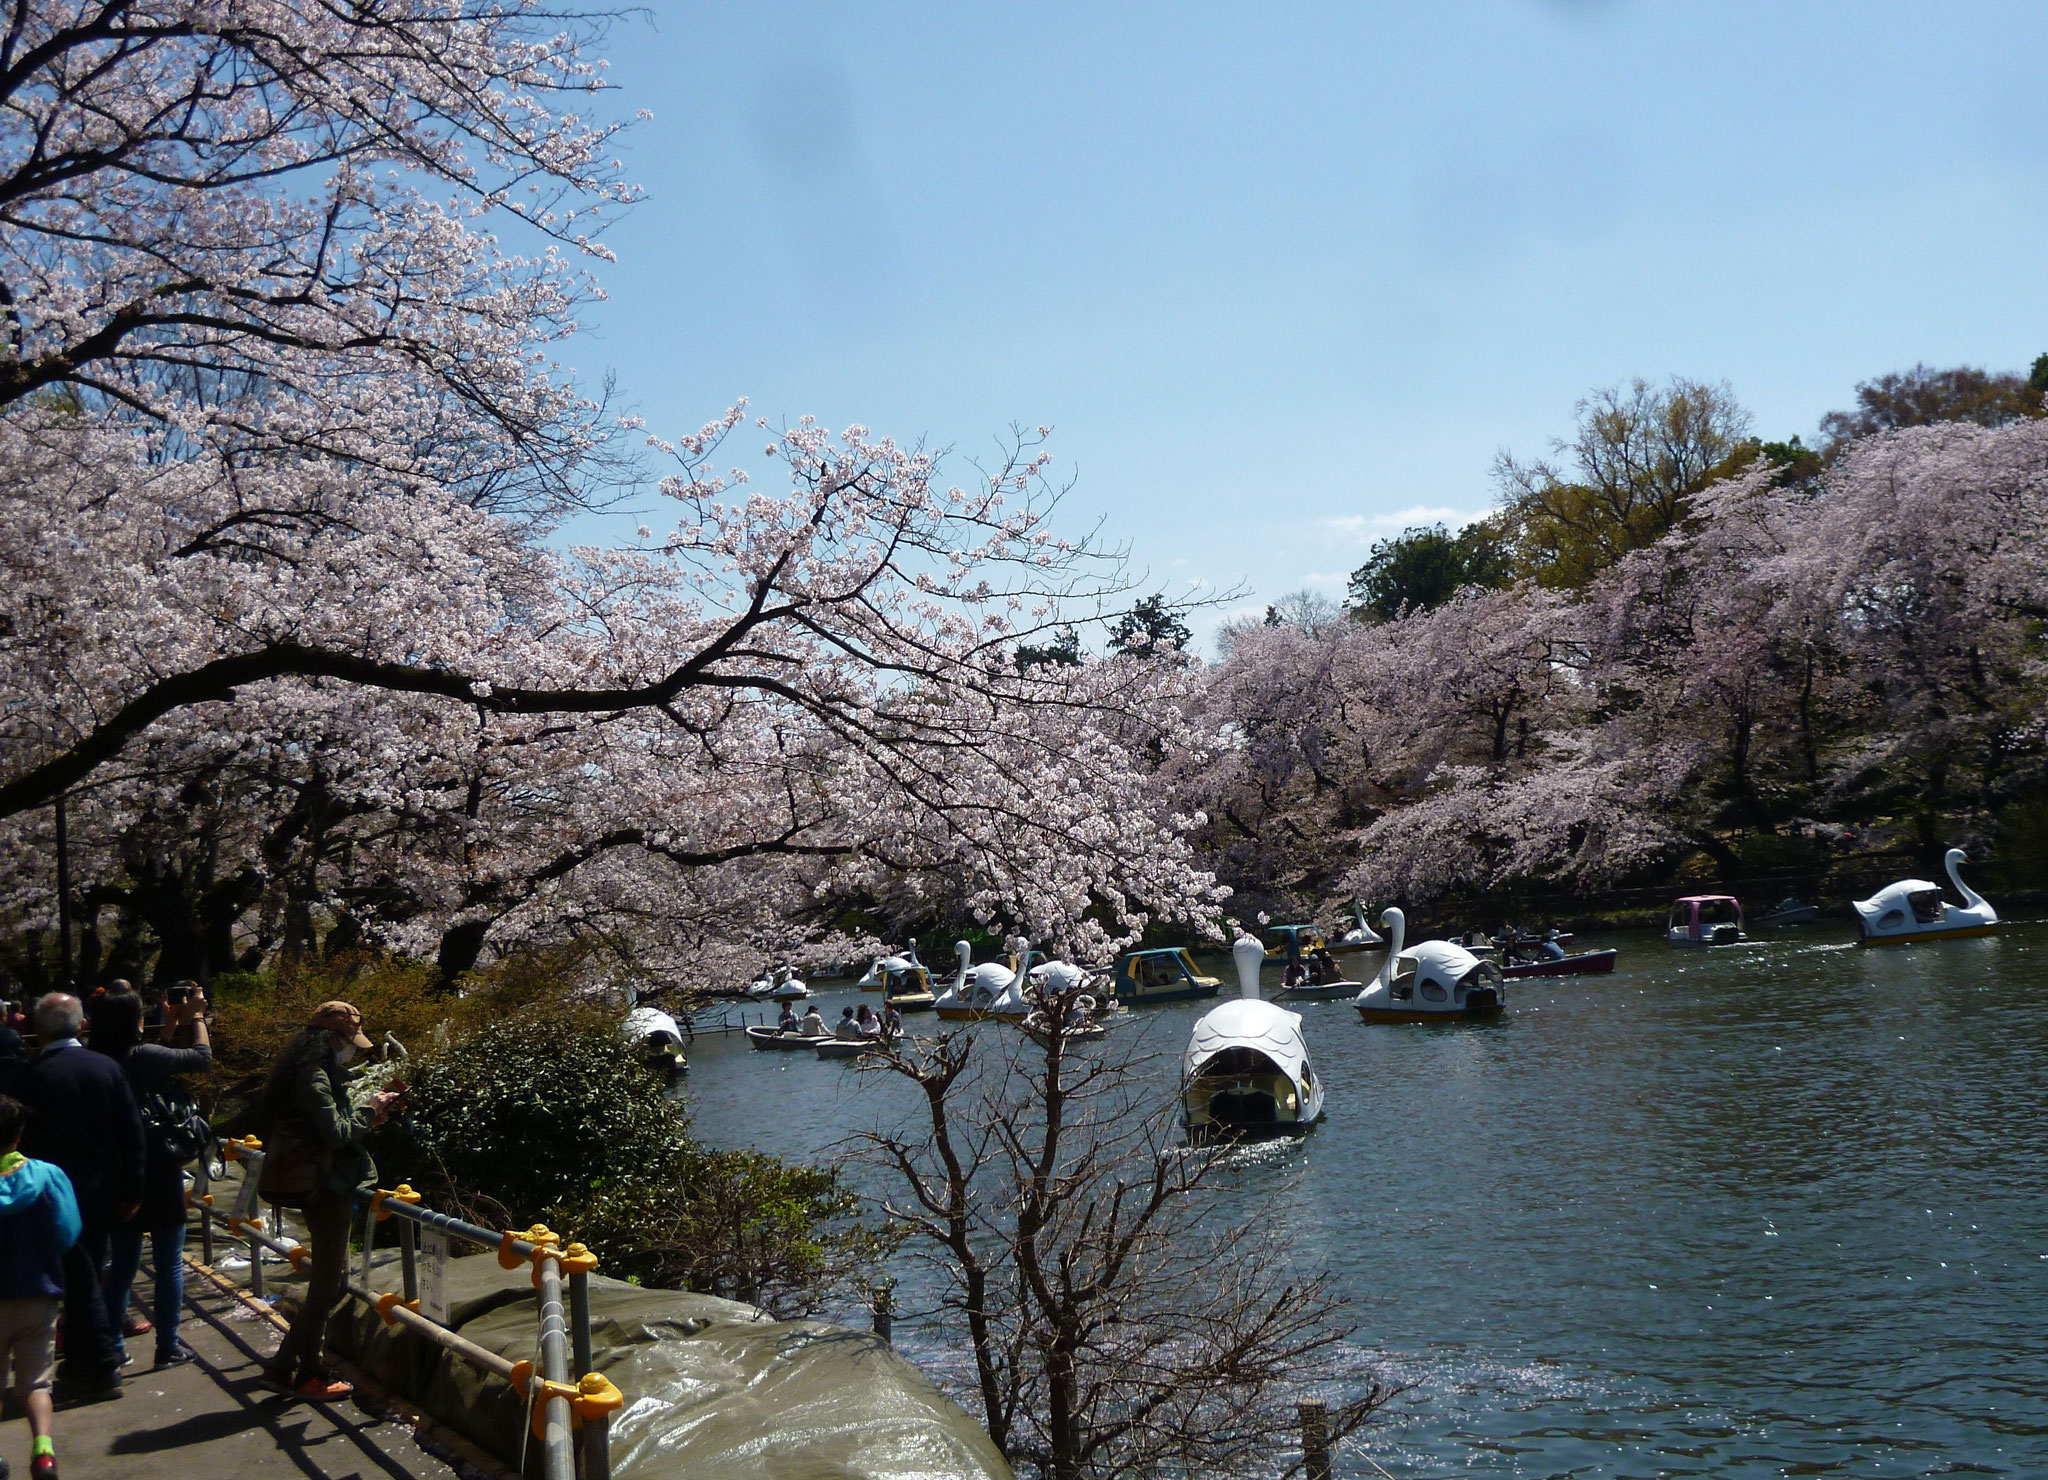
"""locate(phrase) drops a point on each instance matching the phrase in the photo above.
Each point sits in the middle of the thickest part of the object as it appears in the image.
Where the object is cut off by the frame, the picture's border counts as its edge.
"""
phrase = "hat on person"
(340, 1018)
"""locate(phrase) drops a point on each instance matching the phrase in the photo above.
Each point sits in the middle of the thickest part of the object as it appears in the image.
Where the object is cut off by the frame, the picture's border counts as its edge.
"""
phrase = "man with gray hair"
(83, 1119)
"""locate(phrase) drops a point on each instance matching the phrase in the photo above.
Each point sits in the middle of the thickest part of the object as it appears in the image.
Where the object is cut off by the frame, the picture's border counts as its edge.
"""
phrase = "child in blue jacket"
(38, 1222)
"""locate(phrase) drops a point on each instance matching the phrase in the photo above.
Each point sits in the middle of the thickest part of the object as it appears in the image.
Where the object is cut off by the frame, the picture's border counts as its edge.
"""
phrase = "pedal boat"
(990, 990)
(658, 1037)
(1435, 982)
(780, 985)
(906, 985)
(1160, 976)
(1913, 910)
(876, 977)
(1246, 1072)
(1705, 920)
(1360, 938)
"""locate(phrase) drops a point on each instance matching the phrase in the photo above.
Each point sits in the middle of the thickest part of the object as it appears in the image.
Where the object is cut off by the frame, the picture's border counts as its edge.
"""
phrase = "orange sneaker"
(326, 1390)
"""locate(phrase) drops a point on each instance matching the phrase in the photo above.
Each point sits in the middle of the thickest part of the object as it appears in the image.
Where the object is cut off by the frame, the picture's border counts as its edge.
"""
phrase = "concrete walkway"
(213, 1420)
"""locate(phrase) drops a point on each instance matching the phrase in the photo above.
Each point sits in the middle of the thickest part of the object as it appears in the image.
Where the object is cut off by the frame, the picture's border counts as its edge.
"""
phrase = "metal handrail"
(568, 1415)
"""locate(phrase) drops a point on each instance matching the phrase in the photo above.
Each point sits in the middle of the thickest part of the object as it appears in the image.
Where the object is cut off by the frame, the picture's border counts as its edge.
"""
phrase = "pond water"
(1778, 1209)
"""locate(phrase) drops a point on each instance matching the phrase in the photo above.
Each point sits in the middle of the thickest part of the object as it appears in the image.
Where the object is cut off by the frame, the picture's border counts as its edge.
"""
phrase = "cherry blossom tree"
(490, 729)
(258, 225)
(1856, 653)
(284, 425)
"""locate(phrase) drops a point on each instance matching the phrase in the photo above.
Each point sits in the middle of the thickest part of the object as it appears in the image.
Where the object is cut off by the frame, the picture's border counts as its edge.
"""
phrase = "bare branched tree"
(1118, 1326)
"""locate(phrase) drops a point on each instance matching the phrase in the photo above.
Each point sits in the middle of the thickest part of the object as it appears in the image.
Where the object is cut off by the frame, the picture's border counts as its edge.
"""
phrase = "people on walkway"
(315, 1161)
(12, 1054)
(83, 1119)
(38, 1227)
(153, 1070)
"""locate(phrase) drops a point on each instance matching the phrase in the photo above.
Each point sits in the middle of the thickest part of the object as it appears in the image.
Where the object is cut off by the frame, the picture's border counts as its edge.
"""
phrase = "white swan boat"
(1246, 1070)
(1913, 910)
(779, 985)
(656, 1035)
(990, 990)
(1437, 981)
(1360, 937)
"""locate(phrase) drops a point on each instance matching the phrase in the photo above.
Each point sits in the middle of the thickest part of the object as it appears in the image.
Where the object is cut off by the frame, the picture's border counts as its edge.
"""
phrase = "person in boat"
(813, 1025)
(1296, 975)
(1550, 950)
(787, 1023)
(848, 1026)
(1322, 967)
(866, 1024)
(892, 1023)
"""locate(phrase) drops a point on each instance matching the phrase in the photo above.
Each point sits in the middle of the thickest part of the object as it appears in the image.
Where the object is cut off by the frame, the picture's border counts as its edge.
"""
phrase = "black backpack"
(173, 1127)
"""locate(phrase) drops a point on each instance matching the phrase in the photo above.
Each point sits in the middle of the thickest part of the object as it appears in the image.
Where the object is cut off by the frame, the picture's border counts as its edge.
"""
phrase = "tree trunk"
(1806, 745)
(460, 946)
(1063, 1418)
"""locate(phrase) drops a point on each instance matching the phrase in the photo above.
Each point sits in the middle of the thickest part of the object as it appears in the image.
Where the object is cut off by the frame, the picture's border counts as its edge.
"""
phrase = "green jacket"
(320, 1104)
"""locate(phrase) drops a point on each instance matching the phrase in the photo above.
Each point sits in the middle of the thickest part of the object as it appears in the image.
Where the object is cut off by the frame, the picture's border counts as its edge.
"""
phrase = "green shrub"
(531, 1112)
(552, 1117)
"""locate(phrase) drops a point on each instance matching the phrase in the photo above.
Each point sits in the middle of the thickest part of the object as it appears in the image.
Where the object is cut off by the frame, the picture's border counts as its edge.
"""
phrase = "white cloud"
(1364, 528)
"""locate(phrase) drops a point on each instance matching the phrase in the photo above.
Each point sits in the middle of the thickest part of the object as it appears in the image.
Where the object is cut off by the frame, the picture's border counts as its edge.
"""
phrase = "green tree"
(1797, 464)
(1420, 569)
(1150, 628)
(1062, 650)
(1623, 479)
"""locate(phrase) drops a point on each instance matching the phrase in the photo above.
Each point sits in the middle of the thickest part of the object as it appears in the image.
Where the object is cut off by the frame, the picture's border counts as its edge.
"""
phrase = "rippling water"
(1778, 1210)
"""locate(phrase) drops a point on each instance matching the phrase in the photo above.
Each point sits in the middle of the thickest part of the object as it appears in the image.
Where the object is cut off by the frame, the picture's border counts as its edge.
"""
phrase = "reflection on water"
(1778, 1210)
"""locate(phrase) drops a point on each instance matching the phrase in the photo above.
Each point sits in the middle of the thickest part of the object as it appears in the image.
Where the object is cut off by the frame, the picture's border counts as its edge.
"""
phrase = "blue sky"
(1286, 278)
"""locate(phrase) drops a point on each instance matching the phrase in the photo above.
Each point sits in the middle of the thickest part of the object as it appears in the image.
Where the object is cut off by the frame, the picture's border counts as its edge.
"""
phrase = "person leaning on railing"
(314, 1161)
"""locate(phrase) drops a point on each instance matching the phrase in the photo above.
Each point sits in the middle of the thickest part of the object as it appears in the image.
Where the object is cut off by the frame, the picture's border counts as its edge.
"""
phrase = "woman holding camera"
(152, 1070)
(314, 1160)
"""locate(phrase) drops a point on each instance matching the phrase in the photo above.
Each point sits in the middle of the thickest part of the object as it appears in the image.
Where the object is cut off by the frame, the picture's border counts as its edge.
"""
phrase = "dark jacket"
(153, 1068)
(85, 1121)
(38, 1222)
(317, 1105)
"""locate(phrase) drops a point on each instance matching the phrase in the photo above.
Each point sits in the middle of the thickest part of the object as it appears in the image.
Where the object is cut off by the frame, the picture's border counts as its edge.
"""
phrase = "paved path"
(212, 1420)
